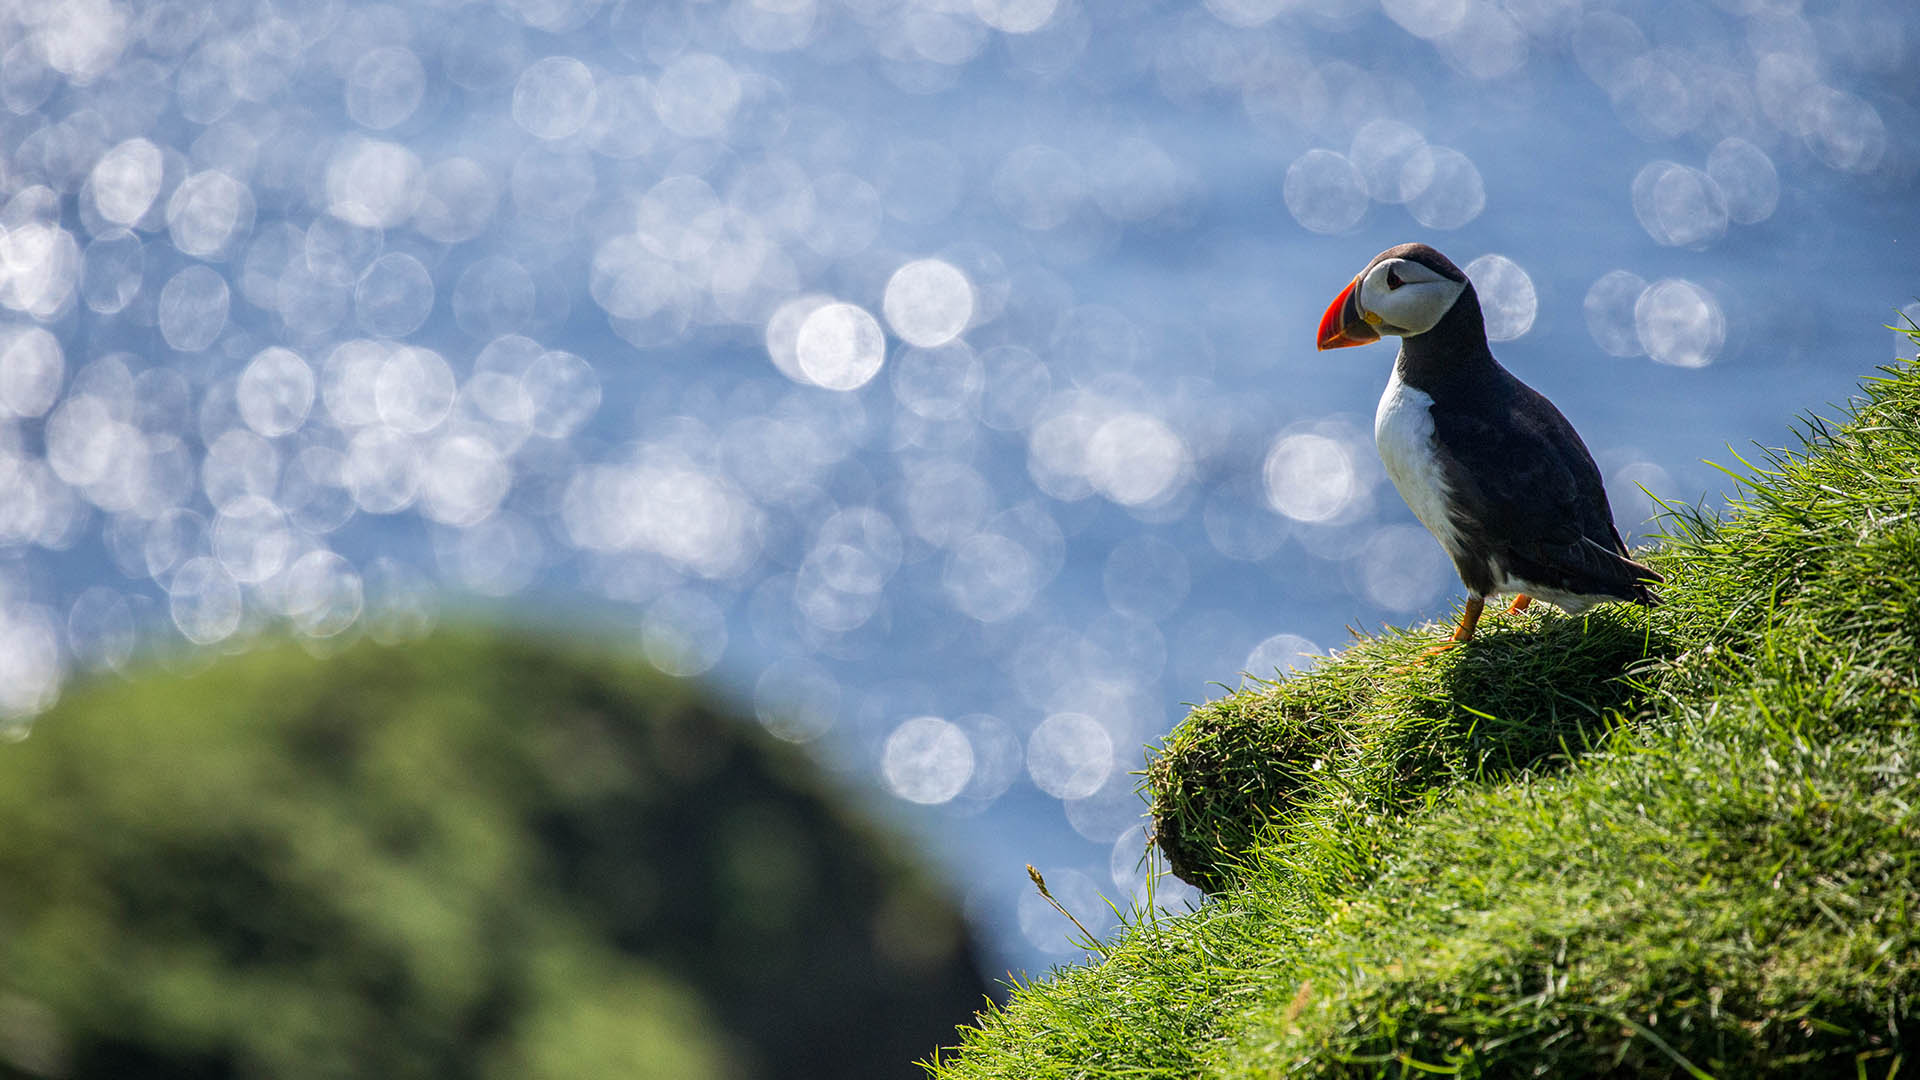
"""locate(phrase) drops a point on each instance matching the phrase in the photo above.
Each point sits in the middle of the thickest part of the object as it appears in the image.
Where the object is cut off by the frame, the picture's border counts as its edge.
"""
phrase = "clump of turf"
(1383, 726)
(1677, 842)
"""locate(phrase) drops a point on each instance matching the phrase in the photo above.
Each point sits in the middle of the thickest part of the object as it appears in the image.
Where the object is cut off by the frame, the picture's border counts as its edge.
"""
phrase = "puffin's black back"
(1524, 490)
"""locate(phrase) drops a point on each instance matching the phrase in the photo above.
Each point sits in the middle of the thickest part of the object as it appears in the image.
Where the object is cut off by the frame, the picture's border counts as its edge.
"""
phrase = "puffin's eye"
(1393, 279)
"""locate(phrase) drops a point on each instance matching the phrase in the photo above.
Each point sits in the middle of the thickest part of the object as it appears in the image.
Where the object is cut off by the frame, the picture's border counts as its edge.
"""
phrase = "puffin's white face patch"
(1407, 297)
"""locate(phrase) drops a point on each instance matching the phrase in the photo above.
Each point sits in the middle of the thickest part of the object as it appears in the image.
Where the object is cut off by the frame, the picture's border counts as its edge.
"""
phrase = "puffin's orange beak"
(1343, 324)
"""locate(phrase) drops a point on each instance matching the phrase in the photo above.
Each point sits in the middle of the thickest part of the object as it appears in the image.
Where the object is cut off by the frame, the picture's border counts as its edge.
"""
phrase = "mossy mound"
(1382, 727)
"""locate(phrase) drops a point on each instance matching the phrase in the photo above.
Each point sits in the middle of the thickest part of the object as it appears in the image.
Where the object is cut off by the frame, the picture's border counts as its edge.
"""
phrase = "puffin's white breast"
(1403, 430)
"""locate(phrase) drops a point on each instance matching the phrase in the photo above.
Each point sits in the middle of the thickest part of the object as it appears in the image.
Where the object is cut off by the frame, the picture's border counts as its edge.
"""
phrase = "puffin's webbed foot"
(1469, 619)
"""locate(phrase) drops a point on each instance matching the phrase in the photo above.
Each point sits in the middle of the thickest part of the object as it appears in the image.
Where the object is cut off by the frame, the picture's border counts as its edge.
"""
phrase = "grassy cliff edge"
(1677, 842)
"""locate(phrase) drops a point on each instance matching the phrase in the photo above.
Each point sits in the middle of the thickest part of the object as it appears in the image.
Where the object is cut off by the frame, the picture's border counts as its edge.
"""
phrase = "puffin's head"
(1405, 290)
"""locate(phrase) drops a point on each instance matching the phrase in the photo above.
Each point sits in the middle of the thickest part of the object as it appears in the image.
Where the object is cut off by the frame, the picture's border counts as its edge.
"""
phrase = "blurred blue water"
(935, 375)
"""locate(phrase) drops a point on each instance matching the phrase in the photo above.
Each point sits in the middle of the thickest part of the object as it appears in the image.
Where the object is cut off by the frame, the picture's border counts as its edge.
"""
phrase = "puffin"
(1486, 462)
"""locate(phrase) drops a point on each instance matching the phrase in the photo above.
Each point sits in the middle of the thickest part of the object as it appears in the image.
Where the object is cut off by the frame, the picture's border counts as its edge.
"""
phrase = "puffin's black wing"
(1526, 492)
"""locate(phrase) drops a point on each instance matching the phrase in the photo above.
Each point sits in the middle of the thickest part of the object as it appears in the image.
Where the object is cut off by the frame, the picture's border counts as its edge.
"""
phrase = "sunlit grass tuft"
(1382, 727)
(1677, 842)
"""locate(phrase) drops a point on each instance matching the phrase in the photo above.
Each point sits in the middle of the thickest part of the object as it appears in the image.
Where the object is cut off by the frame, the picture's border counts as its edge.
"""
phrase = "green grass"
(1679, 842)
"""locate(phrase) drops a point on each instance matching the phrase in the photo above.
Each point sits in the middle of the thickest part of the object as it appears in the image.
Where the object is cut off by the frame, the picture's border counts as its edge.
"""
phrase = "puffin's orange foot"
(1469, 619)
(1520, 603)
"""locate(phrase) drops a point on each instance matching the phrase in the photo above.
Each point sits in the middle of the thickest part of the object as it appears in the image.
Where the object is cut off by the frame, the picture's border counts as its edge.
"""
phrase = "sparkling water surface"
(935, 375)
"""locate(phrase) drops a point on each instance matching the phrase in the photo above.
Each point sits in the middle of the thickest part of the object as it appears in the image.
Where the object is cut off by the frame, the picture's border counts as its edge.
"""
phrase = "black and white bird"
(1487, 464)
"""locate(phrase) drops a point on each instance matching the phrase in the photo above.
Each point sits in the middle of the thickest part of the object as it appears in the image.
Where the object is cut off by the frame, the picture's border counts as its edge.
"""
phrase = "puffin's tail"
(1631, 580)
(1645, 578)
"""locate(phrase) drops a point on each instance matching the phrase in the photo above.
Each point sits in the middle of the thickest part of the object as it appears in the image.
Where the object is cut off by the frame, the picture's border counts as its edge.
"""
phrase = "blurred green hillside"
(481, 855)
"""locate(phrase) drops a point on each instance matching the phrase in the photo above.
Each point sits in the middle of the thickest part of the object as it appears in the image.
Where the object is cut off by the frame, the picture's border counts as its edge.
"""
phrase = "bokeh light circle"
(839, 346)
(1442, 188)
(394, 296)
(1380, 151)
(1609, 308)
(1679, 206)
(683, 633)
(1746, 178)
(126, 180)
(1016, 16)
(193, 308)
(275, 391)
(204, 601)
(1324, 192)
(1310, 477)
(1679, 323)
(1507, 299)
(554, 98)
(1280, 655)
(1136, 459)
(797, 700)
(385, 86)
(928, 302)
(1069, 755)
(927, 760)
(1402, 569)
